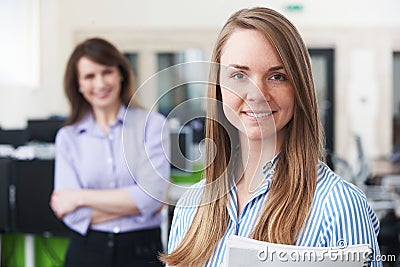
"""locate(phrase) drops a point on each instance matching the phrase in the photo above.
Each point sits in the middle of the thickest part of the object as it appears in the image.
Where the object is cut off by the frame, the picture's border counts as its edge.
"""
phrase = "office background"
(354, 44)
(364, 36)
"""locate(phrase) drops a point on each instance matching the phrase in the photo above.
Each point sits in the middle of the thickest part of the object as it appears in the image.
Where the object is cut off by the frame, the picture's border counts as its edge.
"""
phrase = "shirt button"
(109, 160)
(116, 230)
(112, 184)
(268, 165)
(110, 243)
(110, 137)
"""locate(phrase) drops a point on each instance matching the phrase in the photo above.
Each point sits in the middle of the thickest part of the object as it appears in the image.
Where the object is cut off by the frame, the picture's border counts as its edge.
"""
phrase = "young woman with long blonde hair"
(298, 199)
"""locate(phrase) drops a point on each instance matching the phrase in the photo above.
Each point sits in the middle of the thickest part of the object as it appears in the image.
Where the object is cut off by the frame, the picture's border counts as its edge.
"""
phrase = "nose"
(258, 91)
(99, 81)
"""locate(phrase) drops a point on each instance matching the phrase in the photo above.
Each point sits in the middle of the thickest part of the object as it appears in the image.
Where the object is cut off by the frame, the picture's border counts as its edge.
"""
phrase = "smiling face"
(255, 88)
(100, 85)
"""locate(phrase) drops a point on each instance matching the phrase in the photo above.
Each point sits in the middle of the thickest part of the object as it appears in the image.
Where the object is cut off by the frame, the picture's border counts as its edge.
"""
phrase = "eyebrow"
(276, 68)
(242, 67)
(86, 74)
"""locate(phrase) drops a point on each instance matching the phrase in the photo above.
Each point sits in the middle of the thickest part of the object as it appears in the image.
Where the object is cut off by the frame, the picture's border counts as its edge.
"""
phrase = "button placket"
(111, 160)
(110, 242)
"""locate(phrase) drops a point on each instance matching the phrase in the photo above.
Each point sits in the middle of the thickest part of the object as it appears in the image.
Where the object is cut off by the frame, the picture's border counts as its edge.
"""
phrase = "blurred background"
(355, 51)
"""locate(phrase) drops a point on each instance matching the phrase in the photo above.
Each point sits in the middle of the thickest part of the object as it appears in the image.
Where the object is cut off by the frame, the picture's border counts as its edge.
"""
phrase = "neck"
(254, 154)
(106, 117)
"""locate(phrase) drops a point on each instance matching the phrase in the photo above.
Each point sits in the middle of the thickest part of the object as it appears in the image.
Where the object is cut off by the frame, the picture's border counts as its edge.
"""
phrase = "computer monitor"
(34, 182)
(43, 130)
(14, 137)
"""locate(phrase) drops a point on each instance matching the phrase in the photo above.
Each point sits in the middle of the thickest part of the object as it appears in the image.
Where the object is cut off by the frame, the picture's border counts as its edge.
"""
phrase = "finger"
(59, 215)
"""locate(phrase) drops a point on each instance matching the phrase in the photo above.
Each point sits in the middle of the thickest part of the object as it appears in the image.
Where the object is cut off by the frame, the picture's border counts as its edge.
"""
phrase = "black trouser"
(100, 249)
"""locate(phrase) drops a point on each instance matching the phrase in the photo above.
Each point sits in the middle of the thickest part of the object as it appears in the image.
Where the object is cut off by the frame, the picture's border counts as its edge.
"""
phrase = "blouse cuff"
(79, 220)
(146, 204)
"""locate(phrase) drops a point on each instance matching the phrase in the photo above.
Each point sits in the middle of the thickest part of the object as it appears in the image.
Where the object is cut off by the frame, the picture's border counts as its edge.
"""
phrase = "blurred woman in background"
(114, 222)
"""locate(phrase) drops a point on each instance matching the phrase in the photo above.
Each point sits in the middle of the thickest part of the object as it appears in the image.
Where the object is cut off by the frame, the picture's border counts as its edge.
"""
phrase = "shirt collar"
(88, 123)
(121, 114)
(269, 166)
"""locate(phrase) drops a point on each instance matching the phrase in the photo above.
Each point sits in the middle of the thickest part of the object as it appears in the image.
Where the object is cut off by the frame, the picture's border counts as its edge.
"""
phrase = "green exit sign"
(294, 7)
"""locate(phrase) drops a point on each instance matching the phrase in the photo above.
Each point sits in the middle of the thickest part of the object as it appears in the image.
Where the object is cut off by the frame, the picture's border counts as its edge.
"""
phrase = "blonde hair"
(293, 187)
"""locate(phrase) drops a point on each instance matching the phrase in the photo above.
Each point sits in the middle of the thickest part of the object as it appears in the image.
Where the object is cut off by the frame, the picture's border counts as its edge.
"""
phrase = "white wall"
(17, 102)
(363, 34)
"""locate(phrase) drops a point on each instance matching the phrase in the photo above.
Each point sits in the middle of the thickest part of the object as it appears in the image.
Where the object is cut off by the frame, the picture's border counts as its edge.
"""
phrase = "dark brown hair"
(101, 52)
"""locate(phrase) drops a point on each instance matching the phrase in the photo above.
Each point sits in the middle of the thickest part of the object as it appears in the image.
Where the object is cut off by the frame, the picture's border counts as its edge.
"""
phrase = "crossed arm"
(106, 204)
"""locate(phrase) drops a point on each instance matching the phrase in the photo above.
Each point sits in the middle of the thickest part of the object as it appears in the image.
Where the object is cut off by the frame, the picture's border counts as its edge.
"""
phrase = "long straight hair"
(293, 186)
(104, 53)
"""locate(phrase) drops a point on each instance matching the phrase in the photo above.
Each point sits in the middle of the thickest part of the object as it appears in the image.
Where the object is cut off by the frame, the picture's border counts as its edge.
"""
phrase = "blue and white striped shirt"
(339, 214)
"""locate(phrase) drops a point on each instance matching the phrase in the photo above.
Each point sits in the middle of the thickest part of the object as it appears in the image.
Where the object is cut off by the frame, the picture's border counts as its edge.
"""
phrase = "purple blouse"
(88, 158)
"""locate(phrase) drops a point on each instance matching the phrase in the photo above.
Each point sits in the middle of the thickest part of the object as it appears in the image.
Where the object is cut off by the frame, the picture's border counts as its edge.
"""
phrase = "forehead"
(85, 64)
(250, 48)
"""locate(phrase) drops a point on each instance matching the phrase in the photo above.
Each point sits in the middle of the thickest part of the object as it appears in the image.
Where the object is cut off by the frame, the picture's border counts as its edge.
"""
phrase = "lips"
(103, 94)
(258, 115)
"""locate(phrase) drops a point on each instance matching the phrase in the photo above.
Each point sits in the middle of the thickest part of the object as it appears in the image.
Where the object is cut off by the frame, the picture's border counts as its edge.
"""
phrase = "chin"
(259, 133)
(253, 135)
(105, 103)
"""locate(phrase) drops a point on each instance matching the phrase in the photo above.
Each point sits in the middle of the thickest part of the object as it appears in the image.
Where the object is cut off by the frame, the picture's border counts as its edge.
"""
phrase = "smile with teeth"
(259, 115)
(103, 93)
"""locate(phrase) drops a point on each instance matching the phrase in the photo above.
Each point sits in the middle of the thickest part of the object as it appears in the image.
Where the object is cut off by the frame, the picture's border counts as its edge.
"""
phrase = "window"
(174, 99)
(322, 66)
(132, 58)
(183, 103)
(20, 45)
(396, 99)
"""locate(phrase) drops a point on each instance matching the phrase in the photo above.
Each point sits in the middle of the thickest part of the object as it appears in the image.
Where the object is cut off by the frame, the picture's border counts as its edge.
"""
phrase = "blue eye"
(238, 76)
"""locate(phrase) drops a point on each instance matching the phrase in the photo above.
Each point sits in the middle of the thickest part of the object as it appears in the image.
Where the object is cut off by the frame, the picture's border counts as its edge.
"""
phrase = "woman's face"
(258, 98)
(100, 85)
